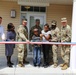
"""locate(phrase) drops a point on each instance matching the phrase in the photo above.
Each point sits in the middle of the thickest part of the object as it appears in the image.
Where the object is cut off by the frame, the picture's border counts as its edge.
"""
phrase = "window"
(42, 9)
(30, 9)
(36, 9)
(33, 9)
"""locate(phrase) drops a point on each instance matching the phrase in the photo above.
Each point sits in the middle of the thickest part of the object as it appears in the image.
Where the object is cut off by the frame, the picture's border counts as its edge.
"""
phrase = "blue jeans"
(37, 55)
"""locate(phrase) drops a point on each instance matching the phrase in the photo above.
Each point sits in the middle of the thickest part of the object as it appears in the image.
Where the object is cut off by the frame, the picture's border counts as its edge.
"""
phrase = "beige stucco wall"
(5, 9)
(55, 12)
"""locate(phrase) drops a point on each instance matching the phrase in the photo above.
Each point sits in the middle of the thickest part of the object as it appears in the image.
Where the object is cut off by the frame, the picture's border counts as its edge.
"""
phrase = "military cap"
(24, 20)
(64, 19)
(54, 22)
(37, 20)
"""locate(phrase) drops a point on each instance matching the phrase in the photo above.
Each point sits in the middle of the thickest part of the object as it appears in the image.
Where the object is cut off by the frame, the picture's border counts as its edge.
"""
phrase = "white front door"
(31, 23)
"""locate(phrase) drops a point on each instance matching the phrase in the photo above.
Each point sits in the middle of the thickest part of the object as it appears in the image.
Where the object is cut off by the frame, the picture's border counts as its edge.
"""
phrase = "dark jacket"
(10, 47)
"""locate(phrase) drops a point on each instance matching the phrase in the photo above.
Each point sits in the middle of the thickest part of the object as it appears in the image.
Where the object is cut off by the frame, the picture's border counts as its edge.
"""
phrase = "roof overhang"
(24, 2)
(42, 2)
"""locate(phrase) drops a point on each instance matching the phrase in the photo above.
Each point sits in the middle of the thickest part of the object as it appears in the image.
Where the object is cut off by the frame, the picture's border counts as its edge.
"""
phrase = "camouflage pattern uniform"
(21, 36)
(55, 33)
(65, 51)
(25, 53)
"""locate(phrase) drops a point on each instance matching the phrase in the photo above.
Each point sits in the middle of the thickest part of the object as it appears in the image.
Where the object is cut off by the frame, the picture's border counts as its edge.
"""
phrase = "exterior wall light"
(13, 13)
(27, 7)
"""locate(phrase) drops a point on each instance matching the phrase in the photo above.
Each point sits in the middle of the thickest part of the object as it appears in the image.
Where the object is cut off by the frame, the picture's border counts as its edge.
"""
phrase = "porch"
(29, 69)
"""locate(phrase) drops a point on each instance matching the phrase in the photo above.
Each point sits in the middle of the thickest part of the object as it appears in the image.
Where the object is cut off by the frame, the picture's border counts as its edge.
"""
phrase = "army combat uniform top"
(55, 33)
(66, 34)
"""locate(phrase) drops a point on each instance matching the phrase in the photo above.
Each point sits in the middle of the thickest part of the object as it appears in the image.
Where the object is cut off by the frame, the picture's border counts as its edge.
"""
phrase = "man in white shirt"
(2, 35)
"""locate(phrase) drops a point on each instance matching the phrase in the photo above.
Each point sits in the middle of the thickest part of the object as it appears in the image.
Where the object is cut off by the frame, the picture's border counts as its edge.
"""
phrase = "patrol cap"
(54, 22)
(64, 19)
(35, 30)
(37, 20)
(25, 20)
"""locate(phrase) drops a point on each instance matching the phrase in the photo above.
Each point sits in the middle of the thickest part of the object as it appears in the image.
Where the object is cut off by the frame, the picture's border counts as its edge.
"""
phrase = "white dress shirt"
(2, 35)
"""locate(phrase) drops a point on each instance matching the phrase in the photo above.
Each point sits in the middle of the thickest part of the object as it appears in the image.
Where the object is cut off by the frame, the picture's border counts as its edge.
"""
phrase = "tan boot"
(61, 65)
(20, 64)
(65, 67)
(55, 65)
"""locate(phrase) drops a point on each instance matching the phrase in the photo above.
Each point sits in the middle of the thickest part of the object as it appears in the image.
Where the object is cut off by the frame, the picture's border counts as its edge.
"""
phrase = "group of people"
(37, 34)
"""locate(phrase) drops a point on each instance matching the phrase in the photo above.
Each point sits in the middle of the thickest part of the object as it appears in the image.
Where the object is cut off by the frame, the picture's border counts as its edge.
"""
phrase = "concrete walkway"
(29, 69)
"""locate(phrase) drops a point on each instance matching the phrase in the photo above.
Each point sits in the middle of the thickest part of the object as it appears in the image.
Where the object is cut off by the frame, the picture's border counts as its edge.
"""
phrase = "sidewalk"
(29, 69)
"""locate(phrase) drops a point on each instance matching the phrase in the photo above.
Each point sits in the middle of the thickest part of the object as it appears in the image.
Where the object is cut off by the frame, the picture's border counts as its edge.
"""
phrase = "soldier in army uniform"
(55, 34)
(65, 37)
(22, 36)
(36, 26)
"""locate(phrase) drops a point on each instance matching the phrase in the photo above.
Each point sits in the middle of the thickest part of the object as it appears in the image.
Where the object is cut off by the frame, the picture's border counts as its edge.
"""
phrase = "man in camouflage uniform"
(55, 33)
(65, 37)
(22, 36)
(36, 26)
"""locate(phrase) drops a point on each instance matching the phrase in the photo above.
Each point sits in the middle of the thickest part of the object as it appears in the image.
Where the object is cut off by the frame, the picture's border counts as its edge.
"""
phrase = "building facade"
(53, 11)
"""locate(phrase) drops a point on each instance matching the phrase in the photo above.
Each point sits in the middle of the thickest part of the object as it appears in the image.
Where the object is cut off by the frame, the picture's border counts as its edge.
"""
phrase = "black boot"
(8, 62)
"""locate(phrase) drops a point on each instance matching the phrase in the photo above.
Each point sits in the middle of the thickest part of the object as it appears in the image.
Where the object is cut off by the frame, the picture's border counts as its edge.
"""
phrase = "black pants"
(50, 54)
(46, 49)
